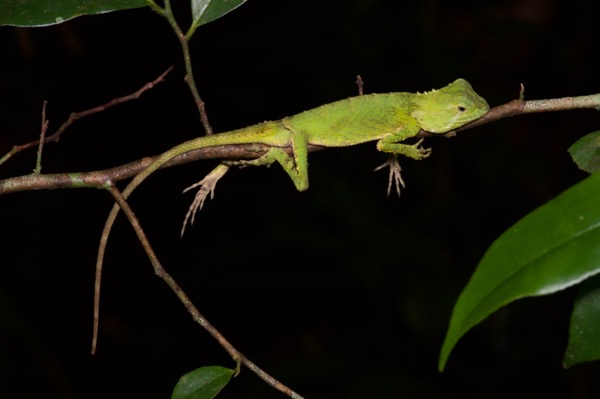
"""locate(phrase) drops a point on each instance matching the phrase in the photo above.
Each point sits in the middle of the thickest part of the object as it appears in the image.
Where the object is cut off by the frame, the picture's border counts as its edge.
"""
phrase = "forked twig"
(184, 39)
(55, 137)
(159, 270)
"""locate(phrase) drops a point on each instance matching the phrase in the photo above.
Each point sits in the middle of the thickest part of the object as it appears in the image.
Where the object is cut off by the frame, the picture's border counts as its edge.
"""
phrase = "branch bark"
(104, 178)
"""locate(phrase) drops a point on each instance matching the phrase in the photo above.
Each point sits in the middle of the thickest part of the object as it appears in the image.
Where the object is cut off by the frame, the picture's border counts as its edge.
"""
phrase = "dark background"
(339, 291)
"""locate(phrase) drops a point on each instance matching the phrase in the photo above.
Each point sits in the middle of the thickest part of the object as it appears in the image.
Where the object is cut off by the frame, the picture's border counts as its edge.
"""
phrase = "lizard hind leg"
(207, 186)
(296, 165)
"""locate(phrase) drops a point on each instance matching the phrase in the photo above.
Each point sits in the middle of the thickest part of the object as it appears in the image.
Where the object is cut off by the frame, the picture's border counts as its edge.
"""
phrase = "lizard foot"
(419, 152)
(207, 186)
(395, 178)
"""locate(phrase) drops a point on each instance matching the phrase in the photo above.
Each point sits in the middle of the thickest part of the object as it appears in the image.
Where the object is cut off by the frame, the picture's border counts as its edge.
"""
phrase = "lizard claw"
(207, 186)
(395, 178)
(420, 152)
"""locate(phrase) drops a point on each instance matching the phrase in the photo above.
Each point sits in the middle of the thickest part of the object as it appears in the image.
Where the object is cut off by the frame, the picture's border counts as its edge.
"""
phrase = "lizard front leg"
(391, 144)
(408, 127)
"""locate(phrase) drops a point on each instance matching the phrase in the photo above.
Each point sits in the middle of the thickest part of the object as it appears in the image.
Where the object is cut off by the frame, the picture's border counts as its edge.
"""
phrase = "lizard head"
(448, 108)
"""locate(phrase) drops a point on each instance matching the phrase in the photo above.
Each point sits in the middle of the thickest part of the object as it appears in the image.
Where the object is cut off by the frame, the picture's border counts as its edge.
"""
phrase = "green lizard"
(389, 119)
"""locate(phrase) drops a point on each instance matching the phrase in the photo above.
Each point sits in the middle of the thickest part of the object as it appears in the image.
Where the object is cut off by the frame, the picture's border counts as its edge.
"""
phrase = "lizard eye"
(460, 108)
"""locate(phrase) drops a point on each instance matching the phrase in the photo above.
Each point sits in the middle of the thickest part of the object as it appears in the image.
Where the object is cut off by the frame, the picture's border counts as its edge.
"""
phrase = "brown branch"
(55, 137)
(183, 298)
(158, 270)
(101, 178)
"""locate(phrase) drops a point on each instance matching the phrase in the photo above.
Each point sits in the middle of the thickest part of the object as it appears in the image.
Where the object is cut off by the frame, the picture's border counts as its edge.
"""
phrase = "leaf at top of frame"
(31, 13)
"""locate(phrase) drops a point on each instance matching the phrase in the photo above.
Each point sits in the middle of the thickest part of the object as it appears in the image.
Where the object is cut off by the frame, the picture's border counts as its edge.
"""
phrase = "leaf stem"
(167, 13)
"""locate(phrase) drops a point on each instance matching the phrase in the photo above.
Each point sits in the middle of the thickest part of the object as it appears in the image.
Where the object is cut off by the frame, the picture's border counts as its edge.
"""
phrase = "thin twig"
(55, 137)
(38, 163)
(184, 299)
(158, 270)
(361, 85)
(268, 379)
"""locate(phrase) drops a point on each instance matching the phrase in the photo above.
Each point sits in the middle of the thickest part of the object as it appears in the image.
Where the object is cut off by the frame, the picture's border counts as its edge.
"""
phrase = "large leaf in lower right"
(550, 249)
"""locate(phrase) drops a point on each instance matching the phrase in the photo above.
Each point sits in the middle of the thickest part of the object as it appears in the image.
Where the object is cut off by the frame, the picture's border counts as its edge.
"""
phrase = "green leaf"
(205, 11)
(550, 249)
(586, 152)
(49, 12)
(584, 332)
(202, 383)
